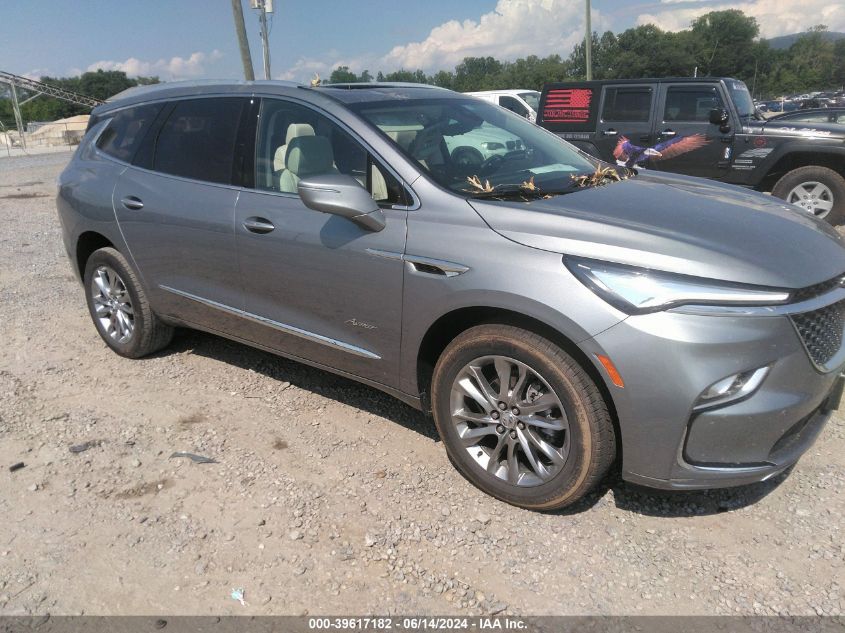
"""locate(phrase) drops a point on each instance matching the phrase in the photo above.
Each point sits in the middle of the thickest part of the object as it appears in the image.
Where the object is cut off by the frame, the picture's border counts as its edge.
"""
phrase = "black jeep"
(704, 127)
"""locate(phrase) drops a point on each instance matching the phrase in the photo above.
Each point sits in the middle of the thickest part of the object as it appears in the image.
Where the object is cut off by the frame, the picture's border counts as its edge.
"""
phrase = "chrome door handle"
(668, 132)
(258, 225)
(609, 132)
(132, 202)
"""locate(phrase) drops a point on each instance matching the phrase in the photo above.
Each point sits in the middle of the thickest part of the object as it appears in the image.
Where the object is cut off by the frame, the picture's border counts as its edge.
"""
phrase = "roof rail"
(363, 85)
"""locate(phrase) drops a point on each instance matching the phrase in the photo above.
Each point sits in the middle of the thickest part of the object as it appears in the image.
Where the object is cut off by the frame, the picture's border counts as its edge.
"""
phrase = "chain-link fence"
(42, 136)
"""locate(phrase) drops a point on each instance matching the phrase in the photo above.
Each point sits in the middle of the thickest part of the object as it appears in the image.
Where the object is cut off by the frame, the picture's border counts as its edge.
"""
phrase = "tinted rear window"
(124, 133)
(198, 139)
(626, 104)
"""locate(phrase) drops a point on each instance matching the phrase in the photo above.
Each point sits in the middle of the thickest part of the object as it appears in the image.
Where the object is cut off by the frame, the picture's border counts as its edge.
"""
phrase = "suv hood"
(678, 224)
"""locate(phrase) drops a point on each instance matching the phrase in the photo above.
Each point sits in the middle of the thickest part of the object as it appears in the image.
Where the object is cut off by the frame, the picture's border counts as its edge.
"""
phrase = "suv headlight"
(639, 290)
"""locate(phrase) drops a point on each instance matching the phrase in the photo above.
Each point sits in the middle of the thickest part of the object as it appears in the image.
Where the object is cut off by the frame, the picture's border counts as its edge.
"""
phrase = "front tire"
(818, 190)
(119, 308)
(520, 418)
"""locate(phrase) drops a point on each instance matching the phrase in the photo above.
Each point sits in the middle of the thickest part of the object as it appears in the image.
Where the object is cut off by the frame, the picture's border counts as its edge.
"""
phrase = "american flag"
(568, 105)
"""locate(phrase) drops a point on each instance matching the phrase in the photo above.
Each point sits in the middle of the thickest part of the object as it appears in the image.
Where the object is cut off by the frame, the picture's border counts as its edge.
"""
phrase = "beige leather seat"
(403, 138)
(294, 130)
(306, 156)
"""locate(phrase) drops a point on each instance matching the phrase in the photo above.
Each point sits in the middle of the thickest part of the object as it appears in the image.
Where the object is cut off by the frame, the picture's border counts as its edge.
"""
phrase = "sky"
(186, 39)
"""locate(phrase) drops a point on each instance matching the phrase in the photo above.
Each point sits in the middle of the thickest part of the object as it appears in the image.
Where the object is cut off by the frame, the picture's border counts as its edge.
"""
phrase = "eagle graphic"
(630, 155)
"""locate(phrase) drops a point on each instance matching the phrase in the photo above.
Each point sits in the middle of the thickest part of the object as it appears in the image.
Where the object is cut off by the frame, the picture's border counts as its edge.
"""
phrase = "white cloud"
(775, 17)
(168, 69)
(515, 28)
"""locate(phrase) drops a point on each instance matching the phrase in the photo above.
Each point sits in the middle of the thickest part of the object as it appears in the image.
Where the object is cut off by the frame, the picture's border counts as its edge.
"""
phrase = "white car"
(522, 102)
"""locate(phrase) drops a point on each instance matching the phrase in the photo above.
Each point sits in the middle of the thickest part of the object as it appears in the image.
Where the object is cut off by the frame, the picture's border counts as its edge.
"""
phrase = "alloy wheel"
(112, 304)
(510, 420)
(813, 196)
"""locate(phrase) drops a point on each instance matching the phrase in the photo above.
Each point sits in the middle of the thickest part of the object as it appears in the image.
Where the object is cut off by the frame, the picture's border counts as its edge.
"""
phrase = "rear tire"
(119, 308)
(817, 189)
(488, 437)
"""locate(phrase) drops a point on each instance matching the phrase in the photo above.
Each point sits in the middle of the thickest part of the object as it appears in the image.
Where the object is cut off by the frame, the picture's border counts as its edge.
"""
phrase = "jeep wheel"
(818, 190)
(119, 308)
(520, 419)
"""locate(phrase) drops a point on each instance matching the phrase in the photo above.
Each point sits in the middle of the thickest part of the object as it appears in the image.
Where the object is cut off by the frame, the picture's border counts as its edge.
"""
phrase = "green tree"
(342, 75)
(443, 78)
(476, 73)
(647, 51)
(723, 43)
(407, 76)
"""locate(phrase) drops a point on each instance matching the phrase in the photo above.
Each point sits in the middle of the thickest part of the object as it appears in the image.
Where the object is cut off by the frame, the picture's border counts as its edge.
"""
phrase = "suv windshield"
(532, 99)
(455, 140)
(741, 98)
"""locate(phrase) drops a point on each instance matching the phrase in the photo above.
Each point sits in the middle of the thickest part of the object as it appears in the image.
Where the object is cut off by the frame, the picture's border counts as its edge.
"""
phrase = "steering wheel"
(491, 165)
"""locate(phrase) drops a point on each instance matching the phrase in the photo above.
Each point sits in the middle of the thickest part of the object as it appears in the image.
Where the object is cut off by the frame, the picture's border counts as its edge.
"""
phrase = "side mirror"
(341, 195)
(720, 117)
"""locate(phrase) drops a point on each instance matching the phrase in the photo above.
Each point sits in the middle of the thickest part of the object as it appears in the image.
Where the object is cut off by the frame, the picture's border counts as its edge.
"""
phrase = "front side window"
(626, 104)
(691, 105)
(296, 142)
(198, 139)
(126, 130)
(458, 140)
(514, 105)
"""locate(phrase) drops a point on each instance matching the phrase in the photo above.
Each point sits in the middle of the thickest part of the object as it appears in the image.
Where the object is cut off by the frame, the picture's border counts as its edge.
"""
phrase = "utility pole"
(264, 7)
(588, 45)
(18, 120)
(240, 30)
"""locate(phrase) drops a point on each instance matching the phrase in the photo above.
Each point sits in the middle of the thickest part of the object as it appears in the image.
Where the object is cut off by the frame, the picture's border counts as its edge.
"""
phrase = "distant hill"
(785, 41)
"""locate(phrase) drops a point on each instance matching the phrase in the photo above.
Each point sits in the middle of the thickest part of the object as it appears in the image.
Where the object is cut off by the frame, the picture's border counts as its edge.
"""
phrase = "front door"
(623, 132)
(176, 211)
(318, 286)
(686, 141)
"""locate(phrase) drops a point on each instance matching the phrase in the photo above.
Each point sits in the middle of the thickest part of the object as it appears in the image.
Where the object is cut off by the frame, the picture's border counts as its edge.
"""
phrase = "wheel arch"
(803, 156)
(86, 244)
(449, 325)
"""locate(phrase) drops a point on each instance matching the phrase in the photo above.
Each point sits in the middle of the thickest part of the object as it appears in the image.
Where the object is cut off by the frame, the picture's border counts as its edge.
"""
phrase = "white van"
(523, 102)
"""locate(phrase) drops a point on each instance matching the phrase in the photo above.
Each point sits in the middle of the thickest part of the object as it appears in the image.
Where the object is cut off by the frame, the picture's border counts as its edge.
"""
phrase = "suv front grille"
(821, 331)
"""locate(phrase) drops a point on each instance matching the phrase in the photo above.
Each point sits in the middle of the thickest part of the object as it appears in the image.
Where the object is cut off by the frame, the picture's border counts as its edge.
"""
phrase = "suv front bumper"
(668, 359)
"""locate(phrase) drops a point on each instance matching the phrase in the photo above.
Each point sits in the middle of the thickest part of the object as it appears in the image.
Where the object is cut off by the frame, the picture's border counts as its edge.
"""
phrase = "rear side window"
(124, 133)
(691, 104)
(626, 104)
(198, 139)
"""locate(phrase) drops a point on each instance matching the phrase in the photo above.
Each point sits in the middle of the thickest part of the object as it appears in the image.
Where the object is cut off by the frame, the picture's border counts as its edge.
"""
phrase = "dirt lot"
(327, 496)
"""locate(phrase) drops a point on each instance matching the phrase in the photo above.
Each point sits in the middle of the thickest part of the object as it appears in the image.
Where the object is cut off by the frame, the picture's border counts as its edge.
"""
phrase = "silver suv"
(554, 313)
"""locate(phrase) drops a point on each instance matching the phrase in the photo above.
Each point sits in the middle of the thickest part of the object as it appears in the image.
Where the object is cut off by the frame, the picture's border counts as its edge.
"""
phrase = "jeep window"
(691, 104)
(126, 129)
(626, 104)
(514, 105)
(198, 139)
(295, 141)
(741, 98)
(453, 140)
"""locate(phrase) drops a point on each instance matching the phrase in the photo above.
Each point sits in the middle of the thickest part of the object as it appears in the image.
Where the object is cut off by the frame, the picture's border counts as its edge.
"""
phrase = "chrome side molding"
(282, 327)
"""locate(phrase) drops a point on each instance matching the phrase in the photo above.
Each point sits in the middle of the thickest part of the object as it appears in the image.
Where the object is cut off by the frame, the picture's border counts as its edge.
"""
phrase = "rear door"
(686, 141)
(624, 129)
(176, 205)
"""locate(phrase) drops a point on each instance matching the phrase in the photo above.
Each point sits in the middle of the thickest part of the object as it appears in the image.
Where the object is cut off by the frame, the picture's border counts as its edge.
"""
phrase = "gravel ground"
(327, 496)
